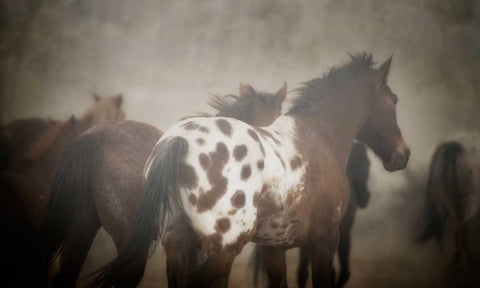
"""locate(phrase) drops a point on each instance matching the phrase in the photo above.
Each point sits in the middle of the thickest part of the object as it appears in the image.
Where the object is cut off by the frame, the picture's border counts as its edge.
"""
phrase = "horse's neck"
(335, 125)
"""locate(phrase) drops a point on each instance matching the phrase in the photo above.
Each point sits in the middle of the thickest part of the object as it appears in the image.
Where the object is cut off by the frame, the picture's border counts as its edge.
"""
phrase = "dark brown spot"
(190, 126)
(187, 177)
(280, 158)
(239, 152)
(200, 141)
(224, 126)
(218, 160)
(193, 199)
(254, 136)
(204, 161)
(295, 162)
(204, 129)
(238, 199)
(232, 212)
(260, 164)
(274, 225)
(246, 172)
(222, 225)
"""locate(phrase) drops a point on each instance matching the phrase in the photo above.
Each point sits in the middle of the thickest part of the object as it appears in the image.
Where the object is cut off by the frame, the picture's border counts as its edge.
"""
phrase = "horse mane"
(233, 106)
(313, 91)
(238, 107)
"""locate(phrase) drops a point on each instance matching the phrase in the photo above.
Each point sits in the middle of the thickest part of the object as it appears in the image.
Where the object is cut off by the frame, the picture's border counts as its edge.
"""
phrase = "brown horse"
(27, 187)
(18, 136)
(358, 171)
(214, 184)
(99, 182)
(453, 191)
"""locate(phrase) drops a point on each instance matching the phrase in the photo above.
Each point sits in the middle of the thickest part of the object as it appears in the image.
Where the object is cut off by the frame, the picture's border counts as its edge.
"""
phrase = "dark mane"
(238, 107)
(316, 89)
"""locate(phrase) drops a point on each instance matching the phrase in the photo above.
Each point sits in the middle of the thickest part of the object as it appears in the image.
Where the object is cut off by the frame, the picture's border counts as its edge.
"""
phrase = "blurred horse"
(281, 186)
(18, 136)
(358, 171)
(26, 187)
(99, 182)
(453, 191)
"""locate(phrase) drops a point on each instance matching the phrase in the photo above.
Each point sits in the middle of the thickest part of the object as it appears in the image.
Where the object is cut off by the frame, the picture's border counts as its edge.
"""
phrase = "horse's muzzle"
(399, 160)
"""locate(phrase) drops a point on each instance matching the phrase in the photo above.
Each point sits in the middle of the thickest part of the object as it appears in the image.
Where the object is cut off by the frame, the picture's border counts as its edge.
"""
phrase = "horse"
(99, 182)
(27, 186)
(358, 171)
(453, 191)
(281, 186)
(18, 136)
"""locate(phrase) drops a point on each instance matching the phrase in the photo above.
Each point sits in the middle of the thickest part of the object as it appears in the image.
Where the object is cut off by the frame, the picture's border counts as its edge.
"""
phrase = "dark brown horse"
(99, 182)
(26, 187)
(453, 191)
(358, 171)
(18, 136)
(214, 183)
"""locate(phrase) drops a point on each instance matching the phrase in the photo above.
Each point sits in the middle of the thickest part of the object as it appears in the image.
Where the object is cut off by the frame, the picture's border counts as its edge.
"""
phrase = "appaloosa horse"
(358, 171)
(453, 191)
(26, 188)
(215, 183)
(99, 182)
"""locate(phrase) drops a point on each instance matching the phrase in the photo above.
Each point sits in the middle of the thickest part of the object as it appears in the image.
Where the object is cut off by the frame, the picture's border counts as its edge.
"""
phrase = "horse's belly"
(279, 229)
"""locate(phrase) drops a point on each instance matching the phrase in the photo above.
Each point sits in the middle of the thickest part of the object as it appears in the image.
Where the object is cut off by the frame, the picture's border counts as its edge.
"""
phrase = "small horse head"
(252, 107)
(380, 130)
(358, 171)
(106, 108)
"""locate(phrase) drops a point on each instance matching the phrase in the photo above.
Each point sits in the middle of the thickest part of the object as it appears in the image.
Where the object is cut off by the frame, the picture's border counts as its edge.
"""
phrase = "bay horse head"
(380, 131)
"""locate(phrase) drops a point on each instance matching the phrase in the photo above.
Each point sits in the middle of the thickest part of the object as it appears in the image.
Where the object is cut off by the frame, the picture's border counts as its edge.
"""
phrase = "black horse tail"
(442, 182)
(161, 193)
(72, 181)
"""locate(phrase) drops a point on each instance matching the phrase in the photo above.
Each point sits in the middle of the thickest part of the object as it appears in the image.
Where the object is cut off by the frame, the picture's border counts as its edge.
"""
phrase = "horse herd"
(210, 184)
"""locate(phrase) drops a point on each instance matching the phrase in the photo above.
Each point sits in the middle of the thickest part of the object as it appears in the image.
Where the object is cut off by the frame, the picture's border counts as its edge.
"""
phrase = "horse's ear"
(245, 90)
(281, 95)
(119, 100)
(96, 97)
(385, 68)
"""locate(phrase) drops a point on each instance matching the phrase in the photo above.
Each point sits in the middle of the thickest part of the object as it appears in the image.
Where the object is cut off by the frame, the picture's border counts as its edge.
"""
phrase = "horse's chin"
(396, 163)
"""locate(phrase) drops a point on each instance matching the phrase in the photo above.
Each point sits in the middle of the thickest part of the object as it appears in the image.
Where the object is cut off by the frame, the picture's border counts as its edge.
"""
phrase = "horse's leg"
(182, 247)
(321, 248)
(134, 275)
(75, 251)
(344, 255)
(302, 272)
(344, 244)
(273, 260)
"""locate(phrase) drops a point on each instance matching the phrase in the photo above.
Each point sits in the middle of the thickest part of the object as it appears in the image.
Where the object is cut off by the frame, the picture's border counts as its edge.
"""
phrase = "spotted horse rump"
(236, 179)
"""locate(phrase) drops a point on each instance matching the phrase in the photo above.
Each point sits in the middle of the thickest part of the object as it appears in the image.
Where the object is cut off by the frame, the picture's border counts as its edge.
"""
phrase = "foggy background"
(165, 57)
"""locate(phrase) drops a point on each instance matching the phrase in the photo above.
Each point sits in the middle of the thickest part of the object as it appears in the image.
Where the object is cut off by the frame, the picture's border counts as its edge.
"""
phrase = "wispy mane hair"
(238, 107)
(318, 88)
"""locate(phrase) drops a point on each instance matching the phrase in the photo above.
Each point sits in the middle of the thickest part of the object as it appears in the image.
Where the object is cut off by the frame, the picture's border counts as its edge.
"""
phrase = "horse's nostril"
(407, 153)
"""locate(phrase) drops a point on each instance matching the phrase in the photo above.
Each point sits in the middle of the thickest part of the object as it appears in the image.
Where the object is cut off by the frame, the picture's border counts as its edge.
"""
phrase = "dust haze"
(166, 57)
